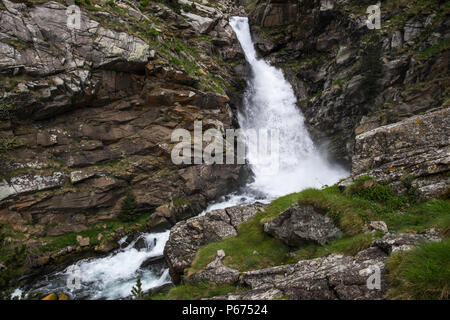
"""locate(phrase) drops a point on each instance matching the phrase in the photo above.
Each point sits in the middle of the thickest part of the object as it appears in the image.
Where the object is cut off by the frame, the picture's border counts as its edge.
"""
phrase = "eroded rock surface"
(186, 237)
(333, 277)
(87, 114)
(418, 147)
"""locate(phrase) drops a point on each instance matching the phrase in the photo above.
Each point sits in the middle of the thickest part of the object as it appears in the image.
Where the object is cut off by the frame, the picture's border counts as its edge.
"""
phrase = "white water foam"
(113, 276)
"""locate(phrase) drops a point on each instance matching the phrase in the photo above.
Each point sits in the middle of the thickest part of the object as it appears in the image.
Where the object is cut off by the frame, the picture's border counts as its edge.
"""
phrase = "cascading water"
(113, 276)
(269, 104)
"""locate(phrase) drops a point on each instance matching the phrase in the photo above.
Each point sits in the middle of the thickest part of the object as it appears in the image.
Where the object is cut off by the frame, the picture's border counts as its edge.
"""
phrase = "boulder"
(83, 242)
(186, 237)
(330, 278)
(300, 225)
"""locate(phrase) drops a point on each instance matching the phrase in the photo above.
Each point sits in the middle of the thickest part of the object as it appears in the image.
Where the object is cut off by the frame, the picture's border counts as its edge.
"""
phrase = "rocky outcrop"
(418, 148)
(335, 277)
(300, 225)
(186, 237)
(87, 113)
(350, 80)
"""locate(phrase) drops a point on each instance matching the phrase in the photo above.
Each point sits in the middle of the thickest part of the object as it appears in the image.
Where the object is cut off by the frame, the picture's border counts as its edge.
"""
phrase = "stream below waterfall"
(269, 104)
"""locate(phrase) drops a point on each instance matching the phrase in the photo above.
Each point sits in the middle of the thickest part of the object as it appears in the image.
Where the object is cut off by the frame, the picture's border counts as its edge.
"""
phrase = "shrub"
(128, 211)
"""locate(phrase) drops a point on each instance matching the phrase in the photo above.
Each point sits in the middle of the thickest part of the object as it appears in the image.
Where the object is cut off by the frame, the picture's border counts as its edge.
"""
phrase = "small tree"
(128, 211)
(137, 291)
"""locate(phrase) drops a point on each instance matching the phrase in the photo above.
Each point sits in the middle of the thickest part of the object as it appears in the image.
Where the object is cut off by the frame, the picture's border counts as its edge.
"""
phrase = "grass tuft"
(422, 273)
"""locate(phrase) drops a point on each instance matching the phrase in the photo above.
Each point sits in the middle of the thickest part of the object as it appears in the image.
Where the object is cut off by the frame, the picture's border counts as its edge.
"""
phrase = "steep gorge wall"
(87, 115)
(350, 80)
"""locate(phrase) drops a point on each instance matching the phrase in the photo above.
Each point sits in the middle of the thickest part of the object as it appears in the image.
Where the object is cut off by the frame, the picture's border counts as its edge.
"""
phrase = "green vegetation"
(179, 202)
(197, 291)
(136, 291)
(434, 50)
(12, 259)
(106, 229)
(128, 210)
(352, 209)
(6, 109)
(347, 246)
(422, 273)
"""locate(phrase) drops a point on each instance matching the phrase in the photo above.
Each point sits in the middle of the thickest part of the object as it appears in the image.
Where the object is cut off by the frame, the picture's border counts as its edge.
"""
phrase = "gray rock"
(300, 225)
(418, 146)
(30, 183)
(335, 277)
(186, 237)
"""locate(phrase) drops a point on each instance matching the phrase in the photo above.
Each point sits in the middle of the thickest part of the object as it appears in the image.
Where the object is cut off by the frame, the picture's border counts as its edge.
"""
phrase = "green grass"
(352, 209)
(347, 246)
(53, 243)
(422, 273)
(197, 291)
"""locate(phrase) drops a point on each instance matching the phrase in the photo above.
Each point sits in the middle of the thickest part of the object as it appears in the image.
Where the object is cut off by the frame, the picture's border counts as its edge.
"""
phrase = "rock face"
(332, 277)
(418, 147)
(186, 237)
(350, 80)
(87, 113)
(301, 225)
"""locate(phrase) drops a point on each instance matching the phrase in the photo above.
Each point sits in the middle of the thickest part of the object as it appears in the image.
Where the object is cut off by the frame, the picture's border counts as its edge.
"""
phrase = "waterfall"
(269, 103)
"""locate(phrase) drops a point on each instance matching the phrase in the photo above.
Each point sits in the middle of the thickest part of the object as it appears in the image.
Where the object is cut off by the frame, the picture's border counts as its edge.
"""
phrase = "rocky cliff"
(87, 114)
(360, 89)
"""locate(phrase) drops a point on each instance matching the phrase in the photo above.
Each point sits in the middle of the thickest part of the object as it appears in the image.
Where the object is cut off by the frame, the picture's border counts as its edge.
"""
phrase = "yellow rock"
(51, 296)
(63, 296)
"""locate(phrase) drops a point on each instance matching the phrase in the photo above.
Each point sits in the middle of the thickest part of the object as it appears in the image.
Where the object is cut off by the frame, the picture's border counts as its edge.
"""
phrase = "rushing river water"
(269, 104)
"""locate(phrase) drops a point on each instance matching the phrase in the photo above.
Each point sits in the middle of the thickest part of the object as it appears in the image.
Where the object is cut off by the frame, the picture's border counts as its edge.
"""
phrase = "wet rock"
(300, 225)
(186, 237)
(140, 244)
